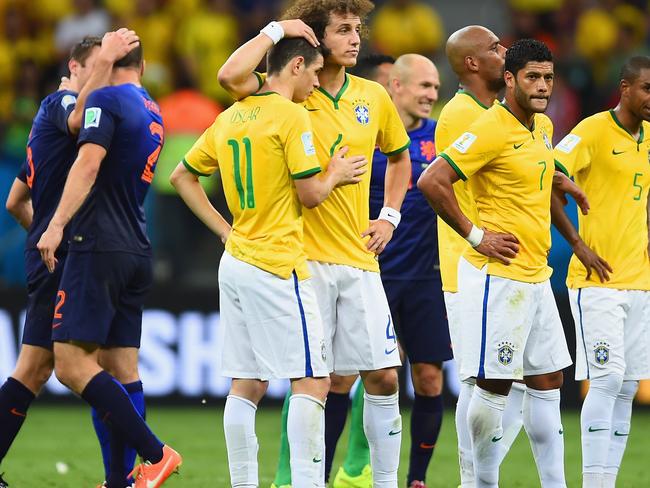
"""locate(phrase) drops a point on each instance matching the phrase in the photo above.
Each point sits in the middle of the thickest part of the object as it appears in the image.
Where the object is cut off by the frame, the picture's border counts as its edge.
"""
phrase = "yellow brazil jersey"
(613, 169)
(361, 116)
(260, 144)
(510, 170)
(455, 118)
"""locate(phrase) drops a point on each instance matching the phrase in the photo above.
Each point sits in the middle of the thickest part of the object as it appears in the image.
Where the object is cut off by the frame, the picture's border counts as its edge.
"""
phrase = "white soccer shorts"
(359, 332)
(270, 327)
(453, 307)
(510, 329)
(612, 332)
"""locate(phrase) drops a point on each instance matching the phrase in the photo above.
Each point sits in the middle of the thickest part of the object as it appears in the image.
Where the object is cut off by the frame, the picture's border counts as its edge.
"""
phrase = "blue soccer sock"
(105, 436)
(111, 400)
(336, 412)
(15, 399)
(426, 420)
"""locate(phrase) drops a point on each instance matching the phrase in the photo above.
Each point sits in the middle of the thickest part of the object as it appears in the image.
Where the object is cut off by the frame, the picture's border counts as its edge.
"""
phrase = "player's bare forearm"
(436, 184)
(236, 75)
(648, 221)
(115, 45)
(564, 184)
(19, 203)
(560, 219)
(190, 190)
(81, 178)
(314, 190)
(397, 177)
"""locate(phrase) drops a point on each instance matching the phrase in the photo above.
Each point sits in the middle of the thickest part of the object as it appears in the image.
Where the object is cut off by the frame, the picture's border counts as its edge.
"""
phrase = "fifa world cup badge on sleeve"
(92, 117)
(601, 352)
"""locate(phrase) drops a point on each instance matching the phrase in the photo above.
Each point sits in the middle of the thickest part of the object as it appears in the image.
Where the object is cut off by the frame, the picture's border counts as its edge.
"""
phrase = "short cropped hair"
(82, 49)
(633, 66)
(523, 52)
(287, 49)
(316, 13)
(366, 66)
(132, 60)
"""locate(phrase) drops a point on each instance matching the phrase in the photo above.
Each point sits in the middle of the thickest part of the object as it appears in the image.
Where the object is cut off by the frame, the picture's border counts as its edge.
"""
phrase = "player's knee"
(380, 382)
(341, 384)
(608, 385)
(628, 390)
(548, 381)
(315, 387)
(427, 379)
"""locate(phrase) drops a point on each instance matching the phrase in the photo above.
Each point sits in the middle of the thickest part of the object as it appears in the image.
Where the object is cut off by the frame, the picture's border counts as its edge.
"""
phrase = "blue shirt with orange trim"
(412, 254)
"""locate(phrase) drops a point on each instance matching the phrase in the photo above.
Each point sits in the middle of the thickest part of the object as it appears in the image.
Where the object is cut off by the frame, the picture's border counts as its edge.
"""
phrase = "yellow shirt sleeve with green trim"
(454, 118)
(360, 116)
(262, 142)
(613, 169)
(201, 159)
(510, 171)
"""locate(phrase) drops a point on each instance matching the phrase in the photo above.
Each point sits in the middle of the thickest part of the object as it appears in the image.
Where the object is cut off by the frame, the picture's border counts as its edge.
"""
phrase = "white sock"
(620, 430)
(484, 422)
(306, 441)
(382, 424)
(595, 426)
(512, 417)
(241, 441)
(465, 460)
(544, 428)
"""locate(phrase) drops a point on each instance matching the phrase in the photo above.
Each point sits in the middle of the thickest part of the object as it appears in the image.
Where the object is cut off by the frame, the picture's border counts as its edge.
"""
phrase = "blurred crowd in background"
(186, 41)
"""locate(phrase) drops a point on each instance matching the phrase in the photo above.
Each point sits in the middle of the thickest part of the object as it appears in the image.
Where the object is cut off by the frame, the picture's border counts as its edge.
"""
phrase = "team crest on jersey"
(361, 111)
(547, 141)
(428, 150)
(601, 352)
(505, 352)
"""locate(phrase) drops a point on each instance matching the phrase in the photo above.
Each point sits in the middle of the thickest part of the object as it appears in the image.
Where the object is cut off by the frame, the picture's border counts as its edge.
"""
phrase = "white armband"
(475, 236)
(391, 215)
(274, 30)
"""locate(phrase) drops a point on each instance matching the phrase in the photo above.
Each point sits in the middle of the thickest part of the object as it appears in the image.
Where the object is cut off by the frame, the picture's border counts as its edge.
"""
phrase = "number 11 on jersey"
(246, 198)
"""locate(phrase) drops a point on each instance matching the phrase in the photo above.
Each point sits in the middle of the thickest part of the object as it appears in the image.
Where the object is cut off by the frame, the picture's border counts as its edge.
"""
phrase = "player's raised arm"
(436, 184)
(81, 179)
(190, 190)
(313, 190)
(237, 75)
(115, 45)
(19, 203)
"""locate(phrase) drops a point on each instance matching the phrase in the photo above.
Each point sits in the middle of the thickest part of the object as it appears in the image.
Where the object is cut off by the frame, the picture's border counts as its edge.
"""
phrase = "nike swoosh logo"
(312, 109)
(591, 429)
(426, 446)
(316, 460)
(561, 432)
(154, 482)
(17, 413)
(517, 146)
(387, 352)
(394, 432)
(616, 153)
(619, 434)
(58, 324)
(496, 439)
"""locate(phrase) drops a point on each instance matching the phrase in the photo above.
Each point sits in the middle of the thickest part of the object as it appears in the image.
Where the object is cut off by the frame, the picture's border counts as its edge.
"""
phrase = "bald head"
(468, 41)
(407, 64)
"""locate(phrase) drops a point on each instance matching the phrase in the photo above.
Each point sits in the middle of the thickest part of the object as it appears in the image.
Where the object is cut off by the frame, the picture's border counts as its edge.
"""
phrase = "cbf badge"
(361, 111)
(547, 141)
(505, 352)
(601, 352)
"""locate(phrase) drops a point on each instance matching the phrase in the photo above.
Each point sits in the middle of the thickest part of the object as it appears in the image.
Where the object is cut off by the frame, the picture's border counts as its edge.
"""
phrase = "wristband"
(391, 215)
(274, 30)
(475, 236)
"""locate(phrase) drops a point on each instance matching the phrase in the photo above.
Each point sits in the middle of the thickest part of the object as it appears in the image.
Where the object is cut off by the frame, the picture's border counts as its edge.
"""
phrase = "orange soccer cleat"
(149, 475)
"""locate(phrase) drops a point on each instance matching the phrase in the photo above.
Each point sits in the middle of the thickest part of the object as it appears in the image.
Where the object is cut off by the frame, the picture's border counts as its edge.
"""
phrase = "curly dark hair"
(524, 51)
(316, 13)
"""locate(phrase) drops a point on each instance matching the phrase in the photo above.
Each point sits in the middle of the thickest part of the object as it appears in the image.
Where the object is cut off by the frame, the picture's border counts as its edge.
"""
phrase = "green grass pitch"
(64, 434)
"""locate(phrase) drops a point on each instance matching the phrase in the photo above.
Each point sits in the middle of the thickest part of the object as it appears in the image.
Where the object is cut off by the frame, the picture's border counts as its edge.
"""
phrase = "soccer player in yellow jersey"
(609, 273)
(340, 241)
(263, 147)
(511, 326)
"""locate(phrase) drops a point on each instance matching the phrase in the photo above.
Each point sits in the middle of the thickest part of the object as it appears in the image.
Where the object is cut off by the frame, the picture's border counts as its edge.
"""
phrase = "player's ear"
(73, 65)
(298, 64)
(471, 64)
(143, 67)
(509, 78)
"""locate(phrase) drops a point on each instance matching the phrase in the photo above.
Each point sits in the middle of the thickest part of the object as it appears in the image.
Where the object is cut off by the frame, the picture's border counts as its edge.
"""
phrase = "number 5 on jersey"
(246, 198)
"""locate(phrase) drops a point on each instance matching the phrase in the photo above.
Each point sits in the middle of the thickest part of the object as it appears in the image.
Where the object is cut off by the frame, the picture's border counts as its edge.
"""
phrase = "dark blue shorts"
(420, 317)
(102, 297)
(42, 288)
